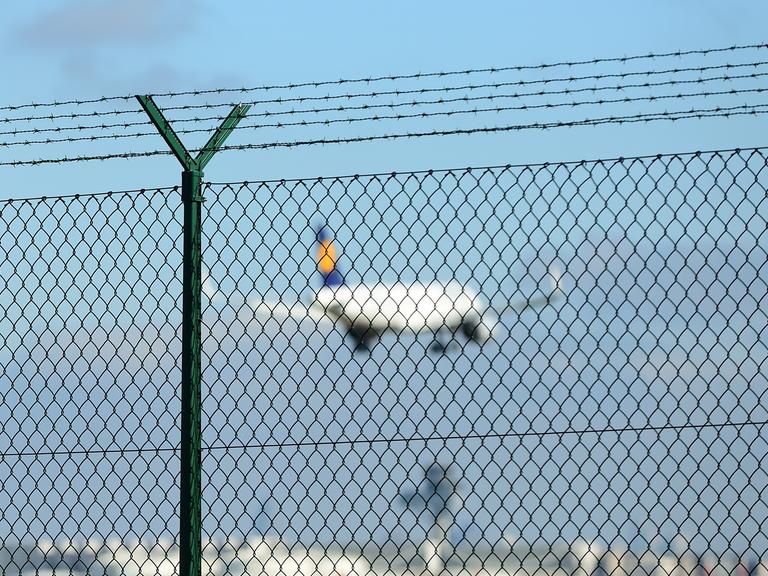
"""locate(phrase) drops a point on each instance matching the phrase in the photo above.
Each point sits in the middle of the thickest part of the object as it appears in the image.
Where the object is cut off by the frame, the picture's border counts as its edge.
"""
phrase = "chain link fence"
(90, 368)
(549, 369)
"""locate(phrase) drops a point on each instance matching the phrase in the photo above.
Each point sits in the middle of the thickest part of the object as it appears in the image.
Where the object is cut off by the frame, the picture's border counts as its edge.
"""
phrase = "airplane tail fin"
(327, 259)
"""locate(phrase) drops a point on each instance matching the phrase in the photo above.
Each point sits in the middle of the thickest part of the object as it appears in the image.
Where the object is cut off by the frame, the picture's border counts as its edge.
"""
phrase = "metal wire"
(660, 327)
(393, 440)
(471, 71)
(416, 76)
(406, 116)
(89, 356)
(403, 92)
(491, 97)
(692, 113)
(495, 85)
(500, 435)
(394, 105)
(626, 406)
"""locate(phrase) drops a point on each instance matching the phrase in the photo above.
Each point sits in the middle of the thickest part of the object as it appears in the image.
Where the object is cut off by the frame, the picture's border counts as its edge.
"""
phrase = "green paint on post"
(222, 133)
(177, 147)
(190, 503)
(167, 132)
(190, 486)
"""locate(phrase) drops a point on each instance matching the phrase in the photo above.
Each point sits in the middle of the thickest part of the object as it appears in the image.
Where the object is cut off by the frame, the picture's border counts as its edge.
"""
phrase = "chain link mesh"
(617, 428)
(90, 370)
(610, 421)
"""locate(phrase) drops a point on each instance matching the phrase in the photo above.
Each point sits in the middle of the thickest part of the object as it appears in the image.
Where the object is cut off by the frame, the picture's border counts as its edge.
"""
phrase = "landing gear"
(442, 344)
(437, 347)
(361, 339)
(361, 346)
(471, 328)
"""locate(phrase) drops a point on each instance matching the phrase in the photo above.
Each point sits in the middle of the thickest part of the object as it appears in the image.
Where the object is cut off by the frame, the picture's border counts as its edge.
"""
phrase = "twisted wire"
(409, 104)
(394, 440)
(420, 115)
(718, 112)
(545, 81)
(375, 94)
(418, 75)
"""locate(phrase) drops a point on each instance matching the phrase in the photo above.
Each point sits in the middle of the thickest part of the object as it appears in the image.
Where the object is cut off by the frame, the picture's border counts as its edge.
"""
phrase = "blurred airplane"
(367, 311)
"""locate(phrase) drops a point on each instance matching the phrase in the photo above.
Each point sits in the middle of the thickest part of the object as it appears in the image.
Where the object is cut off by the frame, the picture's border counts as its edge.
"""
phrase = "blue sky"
(85, 48)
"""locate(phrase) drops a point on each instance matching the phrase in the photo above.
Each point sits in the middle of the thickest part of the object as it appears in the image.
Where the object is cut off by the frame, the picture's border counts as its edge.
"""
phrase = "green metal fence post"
(190, 485)
(190, 503)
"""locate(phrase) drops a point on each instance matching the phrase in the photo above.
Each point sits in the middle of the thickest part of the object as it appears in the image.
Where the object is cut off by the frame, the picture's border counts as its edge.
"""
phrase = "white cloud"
(91, 24)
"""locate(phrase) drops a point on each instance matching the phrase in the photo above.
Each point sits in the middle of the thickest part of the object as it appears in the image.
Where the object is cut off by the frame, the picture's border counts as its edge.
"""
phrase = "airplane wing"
(265, 309)
(556, 292)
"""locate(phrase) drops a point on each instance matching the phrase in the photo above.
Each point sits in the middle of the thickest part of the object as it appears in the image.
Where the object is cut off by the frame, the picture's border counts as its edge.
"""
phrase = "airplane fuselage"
(368, 311)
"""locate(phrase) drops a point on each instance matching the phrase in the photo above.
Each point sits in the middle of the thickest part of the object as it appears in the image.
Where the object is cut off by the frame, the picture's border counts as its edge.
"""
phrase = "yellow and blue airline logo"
(327, 259)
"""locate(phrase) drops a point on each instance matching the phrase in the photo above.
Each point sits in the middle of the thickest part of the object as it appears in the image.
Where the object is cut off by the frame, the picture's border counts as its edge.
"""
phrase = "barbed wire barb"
(368, 80)
(404, 92)
(691, 113)
(412, 103)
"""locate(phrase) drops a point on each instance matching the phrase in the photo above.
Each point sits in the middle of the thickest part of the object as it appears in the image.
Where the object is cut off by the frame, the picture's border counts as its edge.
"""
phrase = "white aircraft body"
(368, 311)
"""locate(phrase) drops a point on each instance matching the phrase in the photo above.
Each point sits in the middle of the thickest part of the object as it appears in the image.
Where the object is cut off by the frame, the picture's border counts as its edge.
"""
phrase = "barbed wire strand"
(465, 98)
(394, 105)
(602, 161)
(546, 81)
(413, 76)
(718, 112)
(376, 94)
(399, 117)
(724, 112)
